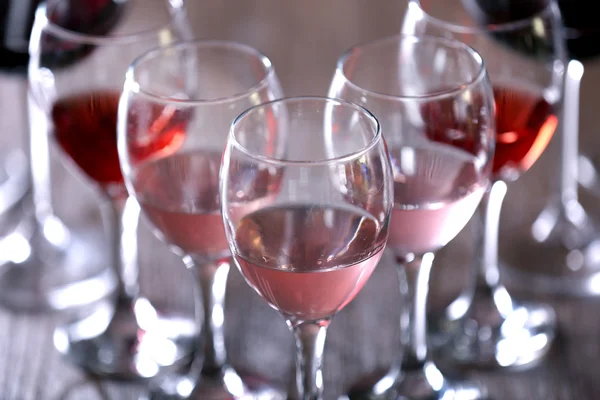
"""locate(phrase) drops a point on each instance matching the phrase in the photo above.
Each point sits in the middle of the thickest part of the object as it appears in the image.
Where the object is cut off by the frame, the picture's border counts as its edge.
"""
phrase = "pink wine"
(308, 262)
(180, 197)
(436, 191)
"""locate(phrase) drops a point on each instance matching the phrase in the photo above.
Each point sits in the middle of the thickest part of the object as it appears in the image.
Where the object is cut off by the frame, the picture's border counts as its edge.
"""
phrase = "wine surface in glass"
(308, 262)
(179, 195)
(85, 127)
(437, 188)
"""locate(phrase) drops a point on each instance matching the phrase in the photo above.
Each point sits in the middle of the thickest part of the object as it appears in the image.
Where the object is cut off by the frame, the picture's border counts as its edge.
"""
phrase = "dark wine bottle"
(582, 29)
(533, 39)
(16, 21)
(581, 26)
(92, 17)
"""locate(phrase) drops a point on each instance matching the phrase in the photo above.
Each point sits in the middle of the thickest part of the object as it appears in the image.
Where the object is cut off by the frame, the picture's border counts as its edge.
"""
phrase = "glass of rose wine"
(203, 86)
(76, 74)
(308, 241)
(435, 103)
(524, 59)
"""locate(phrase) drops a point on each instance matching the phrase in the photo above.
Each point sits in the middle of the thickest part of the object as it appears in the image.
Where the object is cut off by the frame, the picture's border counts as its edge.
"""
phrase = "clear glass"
(176, 109)
(306, 189)
(524, 59)
(76, 74)
(436, 108)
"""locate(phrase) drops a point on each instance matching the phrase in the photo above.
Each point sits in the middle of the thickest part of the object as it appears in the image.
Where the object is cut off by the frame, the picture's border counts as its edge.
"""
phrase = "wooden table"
(303, 40)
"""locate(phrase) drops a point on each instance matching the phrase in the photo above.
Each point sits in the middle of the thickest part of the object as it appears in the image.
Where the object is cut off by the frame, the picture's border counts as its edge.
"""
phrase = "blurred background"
(304, 40)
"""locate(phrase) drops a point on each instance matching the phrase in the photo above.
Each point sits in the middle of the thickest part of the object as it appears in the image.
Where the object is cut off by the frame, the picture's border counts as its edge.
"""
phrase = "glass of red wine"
(435, 103)
(525, 62)
(564, 250)
(48, 267)
(197, 88)
(76, 75)
(308, 238)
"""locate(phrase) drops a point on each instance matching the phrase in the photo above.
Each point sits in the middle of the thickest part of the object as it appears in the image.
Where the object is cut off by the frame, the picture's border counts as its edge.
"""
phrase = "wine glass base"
(564, 260)
(425, 384)
(39, 276)
(14, 186)
(486, 338)
(227, 385)
(567, 283)
(132, 342)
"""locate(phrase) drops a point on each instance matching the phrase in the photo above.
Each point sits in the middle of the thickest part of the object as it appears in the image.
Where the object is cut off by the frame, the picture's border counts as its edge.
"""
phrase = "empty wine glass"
(306, 189)
(193, 90)
(435, 104)
(76, 74)
(524, 59)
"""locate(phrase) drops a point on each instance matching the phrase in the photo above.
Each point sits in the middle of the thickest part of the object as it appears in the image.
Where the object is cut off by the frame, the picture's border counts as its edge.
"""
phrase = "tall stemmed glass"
(47, 266)
(435, 104)
(561, 247)
(308, 238)
(201, 87)
(76, 103)
(524, 59)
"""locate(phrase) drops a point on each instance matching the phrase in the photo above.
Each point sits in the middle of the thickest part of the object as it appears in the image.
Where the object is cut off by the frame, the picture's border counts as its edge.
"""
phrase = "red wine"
(437, 188)
(308, 262)
(179, 195)
(85, 127)
(525, 123)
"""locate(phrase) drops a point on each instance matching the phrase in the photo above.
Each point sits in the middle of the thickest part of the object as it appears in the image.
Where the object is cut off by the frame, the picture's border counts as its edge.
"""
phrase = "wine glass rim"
(99, 40)
(501, 27)
(132, 81)
(430, 96)
(377, 137)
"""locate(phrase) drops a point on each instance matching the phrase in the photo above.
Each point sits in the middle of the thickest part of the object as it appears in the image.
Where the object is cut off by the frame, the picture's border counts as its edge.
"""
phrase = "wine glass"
(194, 90)
(47, 266)
(76, 73)
(435, 103)
(306, 192)
(564, 236)
(14, 172)
(524, 59)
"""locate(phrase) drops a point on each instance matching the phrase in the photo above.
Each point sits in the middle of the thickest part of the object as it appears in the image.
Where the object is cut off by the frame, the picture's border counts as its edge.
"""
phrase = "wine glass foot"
(423, 384)
(518, 337)
(560, 256)
(226, 385)
(14, 186)
(49, 268)
(130, 342)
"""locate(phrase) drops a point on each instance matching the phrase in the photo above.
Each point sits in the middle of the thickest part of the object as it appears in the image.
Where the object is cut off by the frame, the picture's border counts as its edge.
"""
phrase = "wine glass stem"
(310, 343)
(39, 158)
(210, 311)
(414, 285)
(487, 276)
(570, 134)
(121, 215)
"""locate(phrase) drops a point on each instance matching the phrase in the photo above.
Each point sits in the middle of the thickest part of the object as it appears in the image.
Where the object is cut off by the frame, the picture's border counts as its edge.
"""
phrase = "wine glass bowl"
(311, 241)
(435, 104)
(76, 73)
(185, 97)
(524, 55)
